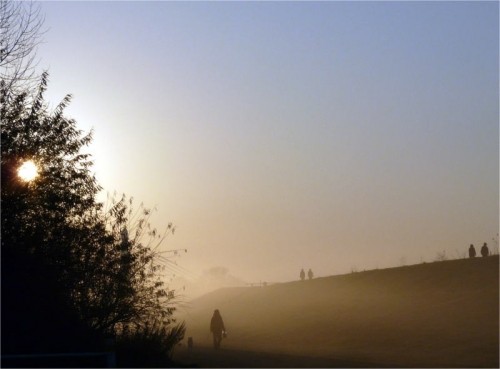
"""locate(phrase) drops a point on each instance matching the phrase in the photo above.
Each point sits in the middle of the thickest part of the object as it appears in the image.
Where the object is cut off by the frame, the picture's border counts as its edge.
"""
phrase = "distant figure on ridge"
(484, 250)
(302, 274)
(310, 274)
(217, 328)
(472, 251)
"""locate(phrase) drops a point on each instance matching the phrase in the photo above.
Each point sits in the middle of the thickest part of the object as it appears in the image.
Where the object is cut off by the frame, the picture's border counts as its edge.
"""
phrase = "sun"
(28, 171)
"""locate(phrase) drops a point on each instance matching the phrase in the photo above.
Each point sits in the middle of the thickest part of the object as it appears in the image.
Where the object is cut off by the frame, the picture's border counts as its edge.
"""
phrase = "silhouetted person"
(484, 250)
(217, 328)
(310, 274)
(472, 251)
(302, 274)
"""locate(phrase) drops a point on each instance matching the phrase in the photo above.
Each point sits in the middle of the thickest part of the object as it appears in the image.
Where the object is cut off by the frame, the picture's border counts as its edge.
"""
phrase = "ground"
(442, 314)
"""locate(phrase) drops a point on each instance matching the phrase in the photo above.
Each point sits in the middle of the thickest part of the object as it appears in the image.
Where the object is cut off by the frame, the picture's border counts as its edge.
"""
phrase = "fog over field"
(275, 136)
(427, 315)
(164, 160)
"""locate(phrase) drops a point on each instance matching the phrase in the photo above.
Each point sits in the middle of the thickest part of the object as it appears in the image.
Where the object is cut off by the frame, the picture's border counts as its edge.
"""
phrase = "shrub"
(150, 345)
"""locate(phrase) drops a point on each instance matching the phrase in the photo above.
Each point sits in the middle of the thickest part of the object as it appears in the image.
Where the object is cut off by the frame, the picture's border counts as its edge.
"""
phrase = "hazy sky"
(285, 135)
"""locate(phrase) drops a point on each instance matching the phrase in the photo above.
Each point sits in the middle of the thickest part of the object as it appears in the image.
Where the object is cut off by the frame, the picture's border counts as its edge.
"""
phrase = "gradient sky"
(285, 135)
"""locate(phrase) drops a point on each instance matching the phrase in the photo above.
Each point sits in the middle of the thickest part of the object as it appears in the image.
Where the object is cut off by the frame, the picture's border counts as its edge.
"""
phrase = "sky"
(285, 135)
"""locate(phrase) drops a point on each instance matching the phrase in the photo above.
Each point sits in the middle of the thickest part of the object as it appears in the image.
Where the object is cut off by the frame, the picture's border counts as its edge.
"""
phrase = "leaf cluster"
(104, 261)
(148, 346)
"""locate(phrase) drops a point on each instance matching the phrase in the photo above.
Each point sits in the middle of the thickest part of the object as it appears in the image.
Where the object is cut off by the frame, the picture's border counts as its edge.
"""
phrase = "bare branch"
(20, 34)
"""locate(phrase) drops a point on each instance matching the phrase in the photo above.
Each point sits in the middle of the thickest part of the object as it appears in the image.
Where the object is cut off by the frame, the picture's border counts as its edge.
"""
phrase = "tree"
(38, 222)
(124, 286)
(71, 274)
(65, 190)
(98, 269)
(21, 30)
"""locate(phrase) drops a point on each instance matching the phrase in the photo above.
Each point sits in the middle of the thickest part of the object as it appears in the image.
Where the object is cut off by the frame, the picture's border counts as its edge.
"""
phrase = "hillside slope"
(442, 314)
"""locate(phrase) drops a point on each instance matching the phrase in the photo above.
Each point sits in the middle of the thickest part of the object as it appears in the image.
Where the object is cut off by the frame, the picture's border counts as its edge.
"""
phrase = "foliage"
(71, 274)
(64, 192)
(125, 285)
(149, 346)
(100, 267)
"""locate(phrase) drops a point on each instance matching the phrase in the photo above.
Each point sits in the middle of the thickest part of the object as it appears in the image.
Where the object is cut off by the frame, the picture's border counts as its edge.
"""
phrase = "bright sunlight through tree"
(28, 171)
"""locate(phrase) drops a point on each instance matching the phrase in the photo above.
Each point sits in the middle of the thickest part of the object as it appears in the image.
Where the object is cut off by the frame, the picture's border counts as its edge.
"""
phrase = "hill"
(442, 314)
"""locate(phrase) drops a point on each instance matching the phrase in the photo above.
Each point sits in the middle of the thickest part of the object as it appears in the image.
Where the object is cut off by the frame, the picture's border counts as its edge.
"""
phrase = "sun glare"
(28, 171)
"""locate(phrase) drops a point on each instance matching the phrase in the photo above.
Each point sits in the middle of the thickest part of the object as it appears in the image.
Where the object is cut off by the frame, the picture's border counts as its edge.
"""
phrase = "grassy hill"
(442, 314)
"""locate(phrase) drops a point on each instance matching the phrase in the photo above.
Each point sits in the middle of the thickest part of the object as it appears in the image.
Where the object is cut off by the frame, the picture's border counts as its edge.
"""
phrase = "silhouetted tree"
(71, 270)
(42, 221)
(124, 286)
(65, 190)
(96, 269)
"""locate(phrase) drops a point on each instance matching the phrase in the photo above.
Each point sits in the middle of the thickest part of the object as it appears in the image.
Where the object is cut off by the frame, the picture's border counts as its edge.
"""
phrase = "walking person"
(472, 251)
(484, 250)
(302, 274)
(217, 328)
(310, 274)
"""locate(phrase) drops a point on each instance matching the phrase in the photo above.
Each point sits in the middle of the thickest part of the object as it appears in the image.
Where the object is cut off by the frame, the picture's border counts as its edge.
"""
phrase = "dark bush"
(148, 346)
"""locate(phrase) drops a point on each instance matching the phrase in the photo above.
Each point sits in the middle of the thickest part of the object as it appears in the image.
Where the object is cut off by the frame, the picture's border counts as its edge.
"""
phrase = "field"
(441, 314)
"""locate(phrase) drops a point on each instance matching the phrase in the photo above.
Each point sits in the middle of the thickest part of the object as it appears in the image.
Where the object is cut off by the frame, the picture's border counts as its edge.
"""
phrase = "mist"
(210, 280)
(429, 314)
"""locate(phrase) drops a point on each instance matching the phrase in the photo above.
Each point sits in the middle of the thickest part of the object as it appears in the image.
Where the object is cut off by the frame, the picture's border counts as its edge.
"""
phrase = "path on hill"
(203, 357)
